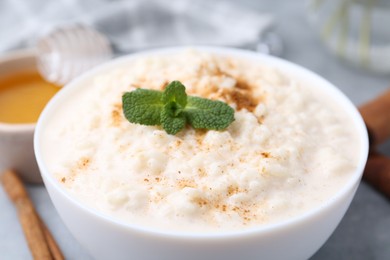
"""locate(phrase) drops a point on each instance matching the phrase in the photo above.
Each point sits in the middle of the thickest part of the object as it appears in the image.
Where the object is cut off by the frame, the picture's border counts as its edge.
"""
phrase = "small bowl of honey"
(23, 95)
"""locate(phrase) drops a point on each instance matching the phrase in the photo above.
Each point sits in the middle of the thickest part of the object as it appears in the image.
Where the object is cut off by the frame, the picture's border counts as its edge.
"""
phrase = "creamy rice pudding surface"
(289, 149)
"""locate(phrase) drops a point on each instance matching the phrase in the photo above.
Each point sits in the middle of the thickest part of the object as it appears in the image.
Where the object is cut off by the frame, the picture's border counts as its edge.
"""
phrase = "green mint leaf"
(175, 92)
(143, 106)
(172, 109)
(172, 122)
(208, 114)
(175, 99)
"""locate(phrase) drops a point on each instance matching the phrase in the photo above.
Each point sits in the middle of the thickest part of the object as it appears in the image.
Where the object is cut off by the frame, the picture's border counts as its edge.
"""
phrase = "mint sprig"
(173, 109)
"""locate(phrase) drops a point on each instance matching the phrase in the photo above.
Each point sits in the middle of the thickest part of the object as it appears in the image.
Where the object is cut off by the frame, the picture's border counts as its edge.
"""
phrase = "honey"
(23, 96)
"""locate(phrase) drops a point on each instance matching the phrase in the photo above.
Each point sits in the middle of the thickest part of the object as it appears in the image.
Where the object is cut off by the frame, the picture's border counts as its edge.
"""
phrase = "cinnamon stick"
(376, 114)
(52, 244)
(377, 173)
(41, 243)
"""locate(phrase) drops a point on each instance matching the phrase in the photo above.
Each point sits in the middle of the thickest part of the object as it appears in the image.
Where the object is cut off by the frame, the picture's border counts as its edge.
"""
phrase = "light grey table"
(364, 233)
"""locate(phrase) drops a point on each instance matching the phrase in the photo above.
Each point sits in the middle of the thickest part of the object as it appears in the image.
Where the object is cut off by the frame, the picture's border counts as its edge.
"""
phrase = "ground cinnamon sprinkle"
(241, 95)
(232, 189)
(83, 162)
(201, 202)
(116, 114)
(202, 172)
(183, 183)
(243, 99)
(178, 142)
(199, 135)
(266, 154)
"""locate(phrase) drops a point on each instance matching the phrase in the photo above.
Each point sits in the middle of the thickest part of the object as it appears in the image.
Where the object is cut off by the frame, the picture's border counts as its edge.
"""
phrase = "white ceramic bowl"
(16, 140)
(296, 238)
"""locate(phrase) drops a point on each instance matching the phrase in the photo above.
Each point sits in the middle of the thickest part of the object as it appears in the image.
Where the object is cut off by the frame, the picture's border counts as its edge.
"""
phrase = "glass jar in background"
(355, 30)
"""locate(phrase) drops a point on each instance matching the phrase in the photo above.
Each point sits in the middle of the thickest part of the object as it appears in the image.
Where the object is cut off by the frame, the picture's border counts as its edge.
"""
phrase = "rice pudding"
(289, 149)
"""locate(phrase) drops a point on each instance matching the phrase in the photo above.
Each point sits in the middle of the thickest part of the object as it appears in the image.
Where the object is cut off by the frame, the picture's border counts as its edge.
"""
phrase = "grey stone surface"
(364, 233)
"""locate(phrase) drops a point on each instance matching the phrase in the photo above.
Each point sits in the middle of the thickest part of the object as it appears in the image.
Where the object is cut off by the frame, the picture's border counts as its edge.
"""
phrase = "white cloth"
(136, 24)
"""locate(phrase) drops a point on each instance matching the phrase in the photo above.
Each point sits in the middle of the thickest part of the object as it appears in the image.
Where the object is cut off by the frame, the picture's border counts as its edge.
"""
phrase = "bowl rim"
(17, 56)
(285, 66)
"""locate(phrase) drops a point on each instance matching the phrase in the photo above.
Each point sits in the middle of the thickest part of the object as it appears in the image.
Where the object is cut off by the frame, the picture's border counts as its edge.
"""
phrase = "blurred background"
(345, 41)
